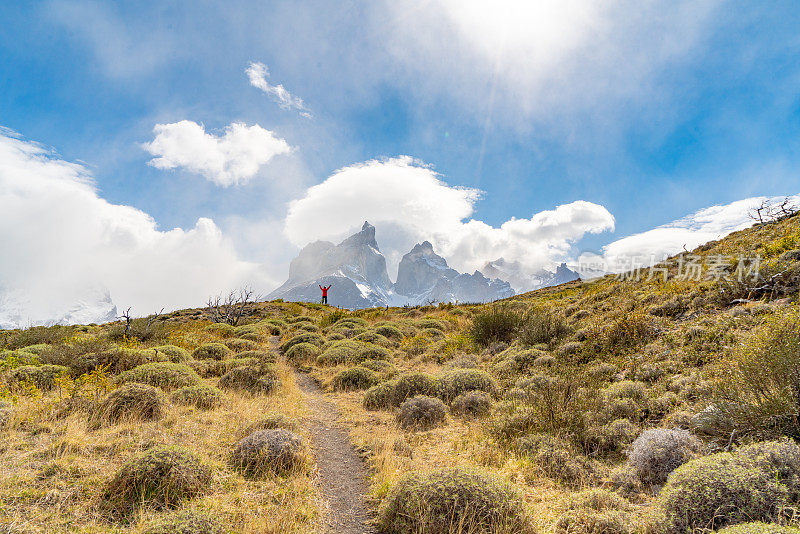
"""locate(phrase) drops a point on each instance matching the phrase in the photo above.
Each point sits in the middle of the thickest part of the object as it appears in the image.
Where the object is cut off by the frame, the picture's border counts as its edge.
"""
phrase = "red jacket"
(324, 290)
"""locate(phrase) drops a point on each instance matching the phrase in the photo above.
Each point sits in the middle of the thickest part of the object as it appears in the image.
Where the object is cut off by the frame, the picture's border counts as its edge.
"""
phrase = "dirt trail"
(342, 473)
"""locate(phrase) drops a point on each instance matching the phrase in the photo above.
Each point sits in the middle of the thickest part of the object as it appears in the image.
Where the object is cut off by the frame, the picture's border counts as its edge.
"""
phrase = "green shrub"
(472, 404)
(222, 330)
(728, 488)
(261, 356)
(241, 345)
(339, 352)
(302, 353)
(130, 401)
(372, 337)
(597, 511)
(382, 367)
(458, 381)
(759, 528)
(496, 323)
(256, 380)
(165, 375)
(389, 332)
(437, 502)
(270, 421)
(38, 349)
(212, 351)
(115, 360)
(43, 376)
(542, 326)
(514, 361)
(160, 478)
(200, 396)
(557, 459)
(276, 451)
(186, 522)
(422, 413)
(435, 324)
(173, 353)
(310, 337)
(353, 378)
(412, 384)
(757, 393)
(379, 397)
(657, 452)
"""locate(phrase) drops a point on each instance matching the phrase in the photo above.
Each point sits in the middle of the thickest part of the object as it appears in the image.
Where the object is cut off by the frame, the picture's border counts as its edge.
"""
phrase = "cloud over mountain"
(229, 159)
(408, 201)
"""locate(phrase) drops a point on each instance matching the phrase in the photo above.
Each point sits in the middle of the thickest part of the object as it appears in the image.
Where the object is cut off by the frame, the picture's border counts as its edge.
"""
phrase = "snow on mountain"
(18, 309)
(356, 271)
(522, 281)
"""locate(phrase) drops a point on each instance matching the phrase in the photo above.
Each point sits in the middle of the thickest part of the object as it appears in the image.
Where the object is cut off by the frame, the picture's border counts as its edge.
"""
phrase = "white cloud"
(231, 159)
(408, 202)
(59, 236)
(687, 233)
(258, 73)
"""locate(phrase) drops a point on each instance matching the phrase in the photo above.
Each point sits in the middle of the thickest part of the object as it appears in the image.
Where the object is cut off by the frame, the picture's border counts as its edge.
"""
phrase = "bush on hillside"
(237, 344)
(412, 384)
(354, 378)
(302, 353)
(165, 375)
(260, 356)
(436, 502)
(222, 330)
(389, 332)
(42, 376)
(270, 421)
(200, 396)
(556, 459)
(472, 404)
(309, 337)
(732, 487)
(130, 401)
(422, 413)
(495, 323)
(657, 452)
(458, 381)
(379, 397)
(759, 528)
(372, 337)
(186, 522)
(256, 379)
(173, 353)
(275, 451)
(160, 478)
(597, 511)
(542, 326)
(382, 367)
(370, 352)
(212, 351)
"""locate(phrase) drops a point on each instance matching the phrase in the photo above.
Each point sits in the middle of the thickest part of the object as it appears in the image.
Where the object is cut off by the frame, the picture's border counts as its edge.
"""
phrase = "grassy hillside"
(663, 402)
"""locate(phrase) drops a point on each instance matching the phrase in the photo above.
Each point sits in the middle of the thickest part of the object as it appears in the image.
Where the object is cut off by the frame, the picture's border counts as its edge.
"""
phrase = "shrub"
(557, 459)
(722, 489)
(115, 360)
(302, 353)
(435, 324)
(186, 522)
(240, 345)
(381, 367)
(222, 330)
(757, 394)
(37, 349)
(496, 323)
(463, 361)
(379, 397)
(596, 511)
(371, 352)
(200, 396)
(260, 356)
(781, 455)
(310, 337)
(437, 502)
(339, 352)
(269, 451)
(270, 421)
(454, 383)
(354, 378)
(617, 435)
(173, 353)
(542, 326)
(759, 528)
(372, 337)
(212, 351)
(657, 452)
(514, 361)
(130, 401)
(167, 376)
(162, 477)
(472, 404)
(43, 376)
(259, 379)
(389, 332)
(422, 413)
(628, 331)
(413, 384)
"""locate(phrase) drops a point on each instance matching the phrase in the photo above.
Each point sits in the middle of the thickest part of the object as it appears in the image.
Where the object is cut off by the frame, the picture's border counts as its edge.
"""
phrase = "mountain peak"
(424, 247)
(365, 237)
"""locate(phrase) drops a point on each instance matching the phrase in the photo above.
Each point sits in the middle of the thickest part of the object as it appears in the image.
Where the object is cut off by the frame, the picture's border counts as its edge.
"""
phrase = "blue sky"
(650, 111)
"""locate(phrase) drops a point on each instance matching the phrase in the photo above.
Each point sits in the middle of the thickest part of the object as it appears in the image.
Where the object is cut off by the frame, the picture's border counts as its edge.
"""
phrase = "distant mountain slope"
(522, 281)
(92, 305)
